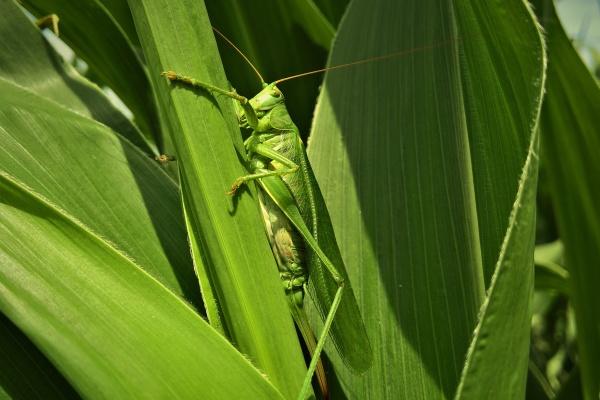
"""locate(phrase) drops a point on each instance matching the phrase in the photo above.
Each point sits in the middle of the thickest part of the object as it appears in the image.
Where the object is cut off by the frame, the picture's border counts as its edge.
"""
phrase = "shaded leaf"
(91, 31)
(25, 373)
(503, 77)
(269, 35)
(119, 10)
(28, 60)
(332, 9)
(316, 25)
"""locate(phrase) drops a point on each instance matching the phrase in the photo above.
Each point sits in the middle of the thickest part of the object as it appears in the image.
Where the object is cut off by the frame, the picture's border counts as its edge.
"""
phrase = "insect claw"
(234, 189)
(164, 158)
(236, 185)
(171, 75)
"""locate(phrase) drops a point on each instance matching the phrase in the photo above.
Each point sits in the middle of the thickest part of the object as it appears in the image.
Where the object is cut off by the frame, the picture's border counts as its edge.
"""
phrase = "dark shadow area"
(276, 50)
(26, 373)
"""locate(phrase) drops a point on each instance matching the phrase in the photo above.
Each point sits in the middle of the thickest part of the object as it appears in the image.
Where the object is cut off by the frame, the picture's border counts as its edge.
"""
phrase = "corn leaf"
(503, 76)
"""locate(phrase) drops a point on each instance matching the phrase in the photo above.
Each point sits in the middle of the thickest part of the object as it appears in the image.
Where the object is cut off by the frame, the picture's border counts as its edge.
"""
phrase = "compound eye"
(276, 93)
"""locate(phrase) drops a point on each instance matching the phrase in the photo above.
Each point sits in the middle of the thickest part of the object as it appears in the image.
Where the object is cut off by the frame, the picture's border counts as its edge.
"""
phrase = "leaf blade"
(99, 179)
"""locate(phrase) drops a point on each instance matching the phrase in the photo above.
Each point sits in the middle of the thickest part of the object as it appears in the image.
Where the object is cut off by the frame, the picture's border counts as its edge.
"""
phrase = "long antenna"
(366, 60)
(240, 53)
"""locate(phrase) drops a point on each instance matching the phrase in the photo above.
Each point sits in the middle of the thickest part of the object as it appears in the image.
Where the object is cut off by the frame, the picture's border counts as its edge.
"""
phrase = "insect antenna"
(367, 60)
(262, 81)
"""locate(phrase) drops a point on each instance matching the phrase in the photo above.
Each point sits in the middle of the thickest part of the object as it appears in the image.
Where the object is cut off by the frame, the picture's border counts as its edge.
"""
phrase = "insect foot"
(50, 22)
(171, 75)
(236, 185)
(164, 159)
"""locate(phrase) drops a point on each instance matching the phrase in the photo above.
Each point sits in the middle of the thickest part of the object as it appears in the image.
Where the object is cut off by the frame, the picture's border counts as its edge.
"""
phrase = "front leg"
(289, 166)
(251, 117)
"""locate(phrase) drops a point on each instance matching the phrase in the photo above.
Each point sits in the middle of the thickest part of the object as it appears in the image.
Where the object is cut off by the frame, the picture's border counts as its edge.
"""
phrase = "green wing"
(347, 331)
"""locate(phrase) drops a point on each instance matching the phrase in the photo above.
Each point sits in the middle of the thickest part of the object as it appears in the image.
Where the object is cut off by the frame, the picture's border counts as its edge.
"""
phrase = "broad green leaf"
(270, 36)
(101, 180)
(110, 328)
(96, 37)
(28, 60)
(234, 247)
(502, 74)
(570, 145)
(24, 372)
(490, 370)
(402, 180)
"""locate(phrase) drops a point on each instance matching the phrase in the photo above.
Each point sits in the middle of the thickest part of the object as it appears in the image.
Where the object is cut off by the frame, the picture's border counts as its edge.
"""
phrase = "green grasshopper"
(297, 224)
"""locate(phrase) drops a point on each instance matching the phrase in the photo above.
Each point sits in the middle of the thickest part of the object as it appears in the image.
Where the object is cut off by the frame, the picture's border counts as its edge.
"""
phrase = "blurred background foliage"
(554, 350)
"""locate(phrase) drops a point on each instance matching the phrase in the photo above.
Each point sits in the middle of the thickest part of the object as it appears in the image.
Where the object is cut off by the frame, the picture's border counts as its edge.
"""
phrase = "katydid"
(278, 162)
(297, 221)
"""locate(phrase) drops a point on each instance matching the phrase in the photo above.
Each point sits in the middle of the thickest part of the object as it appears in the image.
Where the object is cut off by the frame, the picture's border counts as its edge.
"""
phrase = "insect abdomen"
(288, 249)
